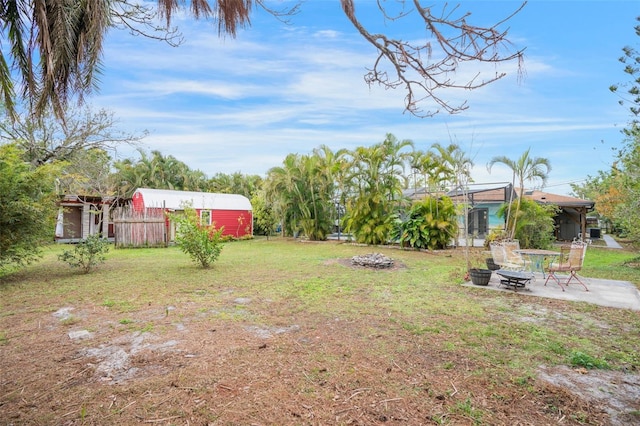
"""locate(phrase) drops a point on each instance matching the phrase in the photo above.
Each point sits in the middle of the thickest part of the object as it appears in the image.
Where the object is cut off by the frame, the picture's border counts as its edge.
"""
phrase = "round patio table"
(537, 257)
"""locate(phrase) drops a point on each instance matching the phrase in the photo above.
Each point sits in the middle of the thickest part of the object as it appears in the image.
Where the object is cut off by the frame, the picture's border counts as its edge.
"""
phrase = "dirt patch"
(194, 368)
(617, 393)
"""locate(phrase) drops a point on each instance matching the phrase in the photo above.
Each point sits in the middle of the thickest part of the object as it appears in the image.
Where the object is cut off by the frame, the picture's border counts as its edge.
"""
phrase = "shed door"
(72, 222)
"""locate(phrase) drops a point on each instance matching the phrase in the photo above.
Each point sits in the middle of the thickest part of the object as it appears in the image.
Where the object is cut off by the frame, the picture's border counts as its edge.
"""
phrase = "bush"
(87, 254)
(429, 224)
(535, 226)
(27, 208)
(203, 243)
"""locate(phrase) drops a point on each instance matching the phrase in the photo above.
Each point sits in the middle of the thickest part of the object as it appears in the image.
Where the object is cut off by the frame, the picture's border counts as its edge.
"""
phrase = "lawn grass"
(507, 335)
(424, 298)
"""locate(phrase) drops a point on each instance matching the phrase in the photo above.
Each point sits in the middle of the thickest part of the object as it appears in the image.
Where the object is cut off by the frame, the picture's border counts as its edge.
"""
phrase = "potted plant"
(480, 276)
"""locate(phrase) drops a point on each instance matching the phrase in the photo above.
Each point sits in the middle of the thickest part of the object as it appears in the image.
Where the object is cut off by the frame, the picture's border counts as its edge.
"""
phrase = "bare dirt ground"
(193, 365)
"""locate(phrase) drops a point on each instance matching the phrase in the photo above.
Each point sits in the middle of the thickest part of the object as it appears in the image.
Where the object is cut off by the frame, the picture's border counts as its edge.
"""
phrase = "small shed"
(231, 211)
(80, 216)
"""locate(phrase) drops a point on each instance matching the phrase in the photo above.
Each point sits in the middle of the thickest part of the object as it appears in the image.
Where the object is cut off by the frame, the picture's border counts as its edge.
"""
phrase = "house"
(484, 203)
(82, 216)
(231, 211)
(570, 222)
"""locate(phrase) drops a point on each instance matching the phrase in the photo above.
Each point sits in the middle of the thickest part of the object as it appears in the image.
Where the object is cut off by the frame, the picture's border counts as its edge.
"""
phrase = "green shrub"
(203, 243)
(429, 224)
(87, 254)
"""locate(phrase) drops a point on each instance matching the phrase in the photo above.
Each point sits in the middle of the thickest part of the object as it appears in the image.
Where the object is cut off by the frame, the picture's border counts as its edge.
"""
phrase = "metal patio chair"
(571, 260)
(505, 256)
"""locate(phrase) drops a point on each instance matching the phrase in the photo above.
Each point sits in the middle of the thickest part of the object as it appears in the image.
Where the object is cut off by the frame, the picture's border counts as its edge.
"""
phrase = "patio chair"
(571, 260)
(504, 255)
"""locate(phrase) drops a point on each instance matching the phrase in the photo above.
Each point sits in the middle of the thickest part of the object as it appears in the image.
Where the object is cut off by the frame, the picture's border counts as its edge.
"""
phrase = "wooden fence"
(145, 228)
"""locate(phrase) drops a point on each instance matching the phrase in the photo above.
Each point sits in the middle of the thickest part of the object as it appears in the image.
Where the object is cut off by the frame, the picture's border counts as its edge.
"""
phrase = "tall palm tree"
(456, 169)
(525, 169)
(56, 46)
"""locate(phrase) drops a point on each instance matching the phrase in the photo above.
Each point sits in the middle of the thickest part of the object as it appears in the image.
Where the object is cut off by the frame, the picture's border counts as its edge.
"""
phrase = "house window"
(205, 217)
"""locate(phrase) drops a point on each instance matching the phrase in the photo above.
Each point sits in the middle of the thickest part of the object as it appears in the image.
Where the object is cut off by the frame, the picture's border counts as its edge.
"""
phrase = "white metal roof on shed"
(176, 200)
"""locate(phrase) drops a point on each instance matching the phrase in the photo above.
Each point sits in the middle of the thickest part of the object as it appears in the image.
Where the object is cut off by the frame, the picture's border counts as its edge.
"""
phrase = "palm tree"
(375, 181)
(456, 168)
(56, 46)
(525, 168)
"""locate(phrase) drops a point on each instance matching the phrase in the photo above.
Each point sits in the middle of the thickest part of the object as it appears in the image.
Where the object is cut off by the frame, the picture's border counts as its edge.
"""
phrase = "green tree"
(524, 169)
(55, 47)
(235, 183)
(27, 207)
(159, 172)
(535, 224)
(631, 97)
(625, 172)
(264, 217)
(429, 224)
(87, 254)
(203, 243)
(455, 171)
(301, 191)
(374, 186)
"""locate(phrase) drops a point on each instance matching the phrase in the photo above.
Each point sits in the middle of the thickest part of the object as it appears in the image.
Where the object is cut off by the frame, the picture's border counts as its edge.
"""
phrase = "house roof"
(558, 200)
(498, 194)
(176, 200)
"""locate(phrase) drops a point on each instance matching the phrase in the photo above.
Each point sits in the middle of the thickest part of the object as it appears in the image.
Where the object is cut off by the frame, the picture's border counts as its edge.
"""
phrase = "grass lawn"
(287, 332)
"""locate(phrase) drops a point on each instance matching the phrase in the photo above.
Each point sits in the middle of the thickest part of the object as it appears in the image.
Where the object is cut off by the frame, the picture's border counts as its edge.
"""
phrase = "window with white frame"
(205, 217)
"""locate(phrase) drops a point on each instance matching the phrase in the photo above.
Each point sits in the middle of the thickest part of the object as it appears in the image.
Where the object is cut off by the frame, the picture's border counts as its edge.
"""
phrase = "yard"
(282, 332)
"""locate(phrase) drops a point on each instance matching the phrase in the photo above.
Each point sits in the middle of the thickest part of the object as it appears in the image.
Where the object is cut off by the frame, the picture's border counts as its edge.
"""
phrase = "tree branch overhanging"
(424, 69)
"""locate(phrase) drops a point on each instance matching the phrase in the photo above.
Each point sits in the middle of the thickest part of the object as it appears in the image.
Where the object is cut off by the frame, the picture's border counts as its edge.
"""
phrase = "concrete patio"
(611, 293)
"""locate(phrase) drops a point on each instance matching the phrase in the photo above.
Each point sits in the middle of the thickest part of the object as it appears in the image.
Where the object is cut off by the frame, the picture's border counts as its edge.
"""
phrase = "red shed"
(232, 211)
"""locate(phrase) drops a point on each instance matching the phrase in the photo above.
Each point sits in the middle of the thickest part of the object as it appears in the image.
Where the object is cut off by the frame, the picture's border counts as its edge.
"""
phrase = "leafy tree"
(203, 243)
(525, 169)
(631, 97)
(89, 173)
(535, 224)
(159, 172)
(606, 190)
(264, 218)
(617, 191)
(87, 254)
(27, 207)
(627, 206)
(429, 224)
(235, 183)
(56, 49)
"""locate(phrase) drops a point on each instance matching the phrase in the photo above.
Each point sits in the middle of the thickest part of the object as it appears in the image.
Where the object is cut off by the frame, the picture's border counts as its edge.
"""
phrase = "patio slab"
(611, 293)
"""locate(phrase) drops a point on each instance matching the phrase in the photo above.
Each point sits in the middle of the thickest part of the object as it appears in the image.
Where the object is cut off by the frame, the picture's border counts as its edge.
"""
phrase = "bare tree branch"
(424, 69)
(140, 20)
(50, 139)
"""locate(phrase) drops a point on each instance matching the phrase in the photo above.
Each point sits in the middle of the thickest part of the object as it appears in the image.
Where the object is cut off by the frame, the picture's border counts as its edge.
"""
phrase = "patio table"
(537, 257)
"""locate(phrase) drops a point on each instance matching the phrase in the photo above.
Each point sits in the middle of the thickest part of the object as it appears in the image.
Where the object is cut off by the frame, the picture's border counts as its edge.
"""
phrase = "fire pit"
(372, 260)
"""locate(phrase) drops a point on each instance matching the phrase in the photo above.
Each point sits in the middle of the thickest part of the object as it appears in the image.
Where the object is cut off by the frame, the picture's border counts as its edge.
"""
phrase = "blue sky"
(228, 105)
